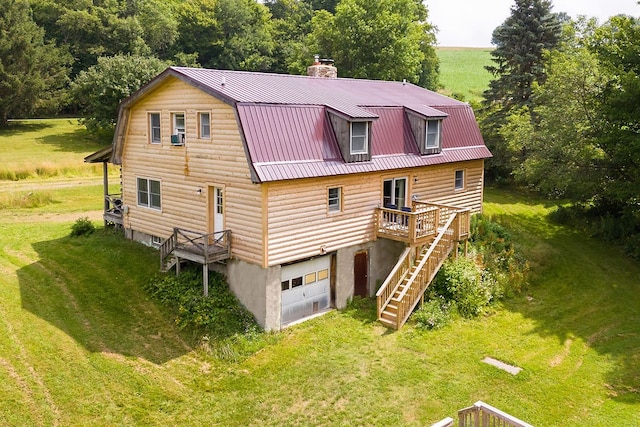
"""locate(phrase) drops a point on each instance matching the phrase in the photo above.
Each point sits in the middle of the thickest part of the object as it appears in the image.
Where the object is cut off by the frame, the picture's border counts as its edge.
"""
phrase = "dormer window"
(359, 137)
(432, 140)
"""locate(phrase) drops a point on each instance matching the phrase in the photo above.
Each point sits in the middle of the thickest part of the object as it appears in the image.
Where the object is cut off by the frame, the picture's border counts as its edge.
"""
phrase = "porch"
(114, 209)
(420, 224)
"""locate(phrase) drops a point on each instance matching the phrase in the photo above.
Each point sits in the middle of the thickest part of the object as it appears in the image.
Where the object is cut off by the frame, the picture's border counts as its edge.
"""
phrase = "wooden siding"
(300, 226)
(418, 128)
(183, 170)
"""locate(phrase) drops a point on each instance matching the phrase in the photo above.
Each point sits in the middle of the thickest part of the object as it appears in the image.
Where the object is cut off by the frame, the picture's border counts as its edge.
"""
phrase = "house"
(304, 190)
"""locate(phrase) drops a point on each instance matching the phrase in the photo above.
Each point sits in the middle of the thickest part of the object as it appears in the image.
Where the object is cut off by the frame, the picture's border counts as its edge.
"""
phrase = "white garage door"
(305, 288)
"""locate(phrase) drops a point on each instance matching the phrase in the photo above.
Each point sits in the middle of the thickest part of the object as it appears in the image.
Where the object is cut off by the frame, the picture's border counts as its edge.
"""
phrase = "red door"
(361, 274)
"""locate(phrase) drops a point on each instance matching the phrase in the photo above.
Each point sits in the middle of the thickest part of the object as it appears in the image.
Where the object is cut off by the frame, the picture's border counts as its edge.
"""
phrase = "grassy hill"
(462, 71)
(82, 344)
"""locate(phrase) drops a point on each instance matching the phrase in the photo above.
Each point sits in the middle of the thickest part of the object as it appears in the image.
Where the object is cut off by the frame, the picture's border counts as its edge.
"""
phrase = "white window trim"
(438, 133)
(148, 204)
(393, 181)
(332, 209)
(366, 139)
(174, 126)
(151, 140)
(200, 123)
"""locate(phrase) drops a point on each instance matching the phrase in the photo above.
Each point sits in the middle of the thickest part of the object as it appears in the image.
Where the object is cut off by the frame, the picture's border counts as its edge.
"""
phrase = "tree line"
(82, 55)
(562, 116)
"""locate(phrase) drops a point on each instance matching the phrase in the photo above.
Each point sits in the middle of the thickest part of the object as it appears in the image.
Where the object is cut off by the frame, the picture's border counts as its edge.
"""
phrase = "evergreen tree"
(30, 69)
(520, 42)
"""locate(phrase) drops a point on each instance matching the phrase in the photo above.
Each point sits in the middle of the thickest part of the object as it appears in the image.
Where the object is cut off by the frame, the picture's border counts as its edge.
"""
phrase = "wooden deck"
(113, 209)
(197, 247)
(420, 225)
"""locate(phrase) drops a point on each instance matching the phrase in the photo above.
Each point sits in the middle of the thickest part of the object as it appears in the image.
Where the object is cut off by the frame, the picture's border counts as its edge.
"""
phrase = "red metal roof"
(285, 123)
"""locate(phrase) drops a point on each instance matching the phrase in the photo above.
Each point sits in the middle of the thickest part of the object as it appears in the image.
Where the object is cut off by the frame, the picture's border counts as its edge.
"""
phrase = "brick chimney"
(322, 68)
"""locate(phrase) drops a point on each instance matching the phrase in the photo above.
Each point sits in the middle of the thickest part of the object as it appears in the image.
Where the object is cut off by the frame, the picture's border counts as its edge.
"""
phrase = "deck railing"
(113, 208)
(205, 245)
(484, 415)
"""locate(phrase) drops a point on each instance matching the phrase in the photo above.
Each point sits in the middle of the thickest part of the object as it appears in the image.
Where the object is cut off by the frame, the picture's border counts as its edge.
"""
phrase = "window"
(433, 134)
(156, 241)
(149, 193)
(205, 125)
(359, 137)
(394, 193)
(459, 180)
(334, 196)
(219, 201)
(178, 128)
(154, 128)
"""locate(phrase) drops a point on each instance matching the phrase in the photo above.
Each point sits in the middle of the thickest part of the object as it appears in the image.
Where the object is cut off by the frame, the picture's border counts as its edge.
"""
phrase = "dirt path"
(49, 184)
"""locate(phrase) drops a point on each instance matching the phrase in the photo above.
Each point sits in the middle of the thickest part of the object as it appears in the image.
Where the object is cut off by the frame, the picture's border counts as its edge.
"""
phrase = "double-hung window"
(149, 193)
(433, 134)
(334, 199)
(177, 120)
(459, 180)
(359, 137)
(205, 125)
(154, 128)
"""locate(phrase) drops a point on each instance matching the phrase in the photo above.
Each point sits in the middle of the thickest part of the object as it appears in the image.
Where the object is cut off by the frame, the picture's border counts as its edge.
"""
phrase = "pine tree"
(520, 41)
(29, 67)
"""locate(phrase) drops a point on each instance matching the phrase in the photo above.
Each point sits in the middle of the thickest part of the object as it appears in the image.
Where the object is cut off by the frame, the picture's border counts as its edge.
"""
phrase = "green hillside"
(462, 72)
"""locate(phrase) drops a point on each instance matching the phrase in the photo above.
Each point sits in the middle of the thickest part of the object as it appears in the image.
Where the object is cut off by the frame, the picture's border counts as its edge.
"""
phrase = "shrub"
(82, 227)
(434, 314)
(219, 315)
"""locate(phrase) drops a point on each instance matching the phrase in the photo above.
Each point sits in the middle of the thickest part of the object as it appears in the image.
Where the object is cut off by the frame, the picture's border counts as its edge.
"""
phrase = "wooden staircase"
(413, 273)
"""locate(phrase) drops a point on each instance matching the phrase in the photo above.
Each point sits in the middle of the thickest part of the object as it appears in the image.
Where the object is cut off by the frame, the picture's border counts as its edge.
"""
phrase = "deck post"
(205, 279)
(105, 183)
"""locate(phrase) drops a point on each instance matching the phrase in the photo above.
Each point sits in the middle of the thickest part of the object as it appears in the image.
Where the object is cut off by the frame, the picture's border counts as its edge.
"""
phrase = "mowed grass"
(43, 148)
(462, 72)
(82, 344)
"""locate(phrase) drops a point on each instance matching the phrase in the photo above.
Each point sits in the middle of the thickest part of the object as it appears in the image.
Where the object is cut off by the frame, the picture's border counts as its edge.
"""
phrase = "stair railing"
(167, 247)
(394, 279)
(483, 414)
(426, 270)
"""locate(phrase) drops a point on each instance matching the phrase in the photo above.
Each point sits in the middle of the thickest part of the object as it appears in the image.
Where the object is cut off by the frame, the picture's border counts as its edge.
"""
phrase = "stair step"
(388, 323)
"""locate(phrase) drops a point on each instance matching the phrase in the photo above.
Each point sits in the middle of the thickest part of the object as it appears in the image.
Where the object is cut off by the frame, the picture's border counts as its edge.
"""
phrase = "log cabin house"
(303, 190)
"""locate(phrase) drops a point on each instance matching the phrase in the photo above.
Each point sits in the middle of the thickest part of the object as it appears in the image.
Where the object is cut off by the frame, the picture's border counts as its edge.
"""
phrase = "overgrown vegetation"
(218, 315)
(468, 286)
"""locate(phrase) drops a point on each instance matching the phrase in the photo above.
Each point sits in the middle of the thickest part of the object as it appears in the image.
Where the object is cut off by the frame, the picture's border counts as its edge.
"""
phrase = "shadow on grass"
(582, 289)
(90, 288)
(76, 141)
(20, 127)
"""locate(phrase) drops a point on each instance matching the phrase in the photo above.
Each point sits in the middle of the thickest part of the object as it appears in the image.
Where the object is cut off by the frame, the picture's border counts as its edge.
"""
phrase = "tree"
(291, 25)
(30, 69)
(378, 39)
(520, 42)
(226, 34)
(100, 89)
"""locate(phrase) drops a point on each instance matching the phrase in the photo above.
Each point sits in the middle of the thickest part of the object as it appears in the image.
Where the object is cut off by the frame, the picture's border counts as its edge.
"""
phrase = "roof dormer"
(353, 135)
(426, 126)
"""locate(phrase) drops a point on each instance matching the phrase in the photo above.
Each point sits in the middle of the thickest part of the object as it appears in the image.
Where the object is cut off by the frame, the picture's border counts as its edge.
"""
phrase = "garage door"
(305, 288)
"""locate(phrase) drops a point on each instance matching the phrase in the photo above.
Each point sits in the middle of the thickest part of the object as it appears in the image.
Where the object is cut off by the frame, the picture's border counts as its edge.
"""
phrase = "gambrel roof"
(285, 124)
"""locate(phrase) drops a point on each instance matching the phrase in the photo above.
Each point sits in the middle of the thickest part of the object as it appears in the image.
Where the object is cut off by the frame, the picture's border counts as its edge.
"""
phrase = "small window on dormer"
(433, 134)
(359, 137)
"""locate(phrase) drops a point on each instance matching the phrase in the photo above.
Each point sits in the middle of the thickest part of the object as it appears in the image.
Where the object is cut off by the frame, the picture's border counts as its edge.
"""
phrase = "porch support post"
(205, 279)
(105, 183)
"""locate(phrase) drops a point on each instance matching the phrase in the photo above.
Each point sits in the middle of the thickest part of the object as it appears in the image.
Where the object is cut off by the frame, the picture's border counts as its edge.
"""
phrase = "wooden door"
(361, 274)
(216, 209)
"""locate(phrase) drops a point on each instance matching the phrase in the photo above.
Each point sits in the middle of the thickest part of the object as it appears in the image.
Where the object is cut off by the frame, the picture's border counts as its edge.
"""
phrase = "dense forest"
(561, 114)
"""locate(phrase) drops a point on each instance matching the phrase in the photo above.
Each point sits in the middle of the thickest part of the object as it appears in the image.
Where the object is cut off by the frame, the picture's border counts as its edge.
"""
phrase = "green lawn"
(462, 71)
(82, 344)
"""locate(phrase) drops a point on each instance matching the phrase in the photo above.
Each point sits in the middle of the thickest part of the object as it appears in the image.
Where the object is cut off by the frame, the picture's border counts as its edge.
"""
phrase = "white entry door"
(305, 288)
(216, 200)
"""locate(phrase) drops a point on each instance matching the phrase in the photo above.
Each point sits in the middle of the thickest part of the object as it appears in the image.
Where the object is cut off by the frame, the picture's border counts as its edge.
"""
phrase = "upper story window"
(149, 193)
(334, 199)
(459, 180)
(178, 128)
(205, 125)
(432, 139)
(154, 128)
(359, 137)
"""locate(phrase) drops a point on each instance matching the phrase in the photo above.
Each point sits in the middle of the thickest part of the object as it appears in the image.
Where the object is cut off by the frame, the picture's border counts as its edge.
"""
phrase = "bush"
(82, 227)
(219, 315)
(434, 314)
(461, 281)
